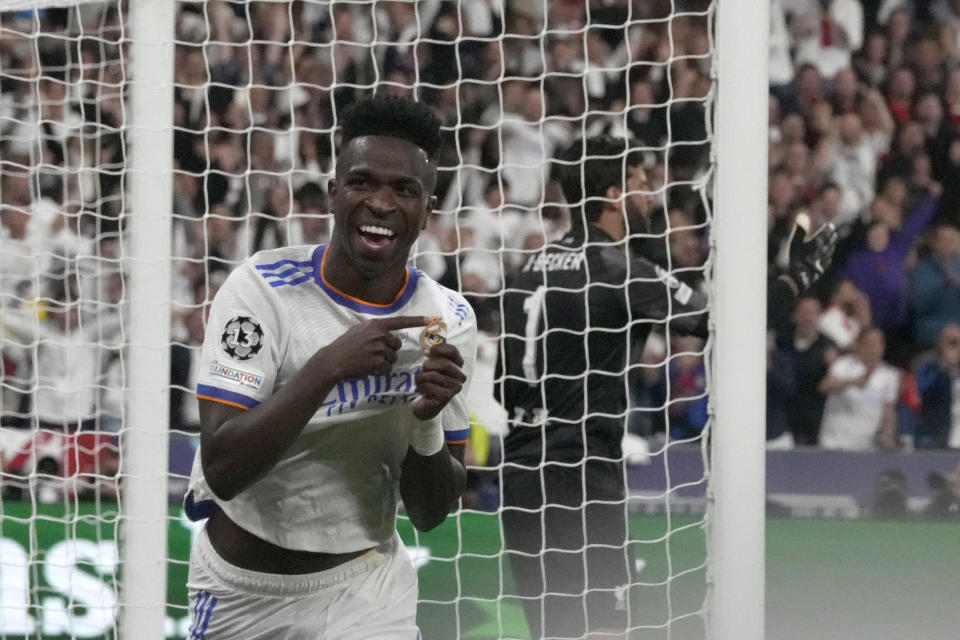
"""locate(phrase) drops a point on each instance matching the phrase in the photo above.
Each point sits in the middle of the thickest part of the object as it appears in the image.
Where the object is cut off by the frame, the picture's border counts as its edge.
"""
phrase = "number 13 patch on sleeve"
(242, 338)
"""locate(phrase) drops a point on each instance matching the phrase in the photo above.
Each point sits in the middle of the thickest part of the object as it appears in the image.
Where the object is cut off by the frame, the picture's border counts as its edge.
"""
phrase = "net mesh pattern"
(258, 89)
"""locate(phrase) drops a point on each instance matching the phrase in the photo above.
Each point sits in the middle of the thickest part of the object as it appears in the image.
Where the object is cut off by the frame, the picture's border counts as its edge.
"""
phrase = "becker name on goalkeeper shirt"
(336, 489)
(570, 318)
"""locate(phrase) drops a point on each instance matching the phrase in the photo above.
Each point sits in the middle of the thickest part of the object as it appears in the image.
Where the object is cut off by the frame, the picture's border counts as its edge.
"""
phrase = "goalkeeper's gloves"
(810, 253)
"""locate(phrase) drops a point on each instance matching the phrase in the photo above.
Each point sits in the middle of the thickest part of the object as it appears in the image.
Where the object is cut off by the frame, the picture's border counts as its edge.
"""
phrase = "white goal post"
(144, 500)
(735, 271)
(736, 538)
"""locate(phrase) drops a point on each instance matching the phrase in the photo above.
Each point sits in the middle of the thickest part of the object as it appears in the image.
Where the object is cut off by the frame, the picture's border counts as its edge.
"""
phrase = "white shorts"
(373, 597)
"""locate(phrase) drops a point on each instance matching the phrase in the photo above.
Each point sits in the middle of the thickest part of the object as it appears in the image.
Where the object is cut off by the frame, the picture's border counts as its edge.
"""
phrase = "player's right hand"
(369, 348)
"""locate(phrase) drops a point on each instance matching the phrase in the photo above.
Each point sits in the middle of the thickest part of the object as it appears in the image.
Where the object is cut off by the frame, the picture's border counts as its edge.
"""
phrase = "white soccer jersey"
(336, 489)
(852, 416)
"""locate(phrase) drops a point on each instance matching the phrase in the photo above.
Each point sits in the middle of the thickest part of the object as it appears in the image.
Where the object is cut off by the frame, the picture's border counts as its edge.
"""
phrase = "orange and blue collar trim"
(351, 302)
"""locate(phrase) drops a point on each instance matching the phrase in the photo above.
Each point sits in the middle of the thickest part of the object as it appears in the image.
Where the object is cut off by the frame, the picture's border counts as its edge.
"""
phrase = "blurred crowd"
(864, 132)
(864, 111)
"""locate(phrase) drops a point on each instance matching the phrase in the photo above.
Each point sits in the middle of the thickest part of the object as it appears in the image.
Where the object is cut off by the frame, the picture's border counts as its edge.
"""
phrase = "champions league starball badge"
(242, 338)
(433, 333)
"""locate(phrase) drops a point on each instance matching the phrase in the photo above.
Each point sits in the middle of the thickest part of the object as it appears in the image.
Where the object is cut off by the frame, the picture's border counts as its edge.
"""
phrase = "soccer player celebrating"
(332, 385)
(570, 317)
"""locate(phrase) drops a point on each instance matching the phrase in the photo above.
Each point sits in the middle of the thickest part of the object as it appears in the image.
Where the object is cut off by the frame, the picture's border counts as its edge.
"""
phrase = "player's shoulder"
(282, 268)
(561, 261)
(606, 253)
(268, 274)
(451, 304)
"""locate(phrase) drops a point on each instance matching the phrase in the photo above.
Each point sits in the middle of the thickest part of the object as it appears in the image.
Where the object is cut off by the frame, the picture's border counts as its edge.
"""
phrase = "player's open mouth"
(375, 237)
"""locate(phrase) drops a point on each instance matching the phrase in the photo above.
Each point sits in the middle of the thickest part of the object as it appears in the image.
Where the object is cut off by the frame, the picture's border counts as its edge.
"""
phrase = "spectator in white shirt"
(827, 33)
(72, 352)
(853, 168)
(18, 259)
(861, 391)
(528, 145)
(33, 243)
(781, 67)
(878, 124)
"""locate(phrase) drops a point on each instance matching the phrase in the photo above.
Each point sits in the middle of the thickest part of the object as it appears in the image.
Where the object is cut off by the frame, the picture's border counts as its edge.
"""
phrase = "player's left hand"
(811, 252)
(439, 380)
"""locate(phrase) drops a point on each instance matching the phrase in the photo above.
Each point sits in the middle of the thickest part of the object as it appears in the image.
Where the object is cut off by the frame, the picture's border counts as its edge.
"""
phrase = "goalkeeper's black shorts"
(545, 518)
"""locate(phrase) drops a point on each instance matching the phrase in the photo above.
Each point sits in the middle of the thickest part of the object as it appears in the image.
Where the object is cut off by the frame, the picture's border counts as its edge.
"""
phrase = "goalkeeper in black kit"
(572, 316)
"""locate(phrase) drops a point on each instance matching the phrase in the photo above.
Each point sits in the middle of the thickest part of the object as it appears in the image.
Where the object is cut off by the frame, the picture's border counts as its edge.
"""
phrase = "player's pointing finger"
(395, 323)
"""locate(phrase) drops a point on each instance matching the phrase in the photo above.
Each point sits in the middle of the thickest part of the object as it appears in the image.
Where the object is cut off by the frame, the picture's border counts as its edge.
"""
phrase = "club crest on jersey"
(433, 333)
(242, 338)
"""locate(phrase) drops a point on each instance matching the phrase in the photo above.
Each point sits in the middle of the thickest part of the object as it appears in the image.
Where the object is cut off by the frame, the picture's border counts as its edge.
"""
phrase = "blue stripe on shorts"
(197, 607)
(202, 609)
(212, 602)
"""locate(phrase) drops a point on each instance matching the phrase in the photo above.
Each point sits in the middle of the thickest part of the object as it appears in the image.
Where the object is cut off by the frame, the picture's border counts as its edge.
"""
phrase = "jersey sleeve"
(463, 335)
(243, 344)
(656, 294)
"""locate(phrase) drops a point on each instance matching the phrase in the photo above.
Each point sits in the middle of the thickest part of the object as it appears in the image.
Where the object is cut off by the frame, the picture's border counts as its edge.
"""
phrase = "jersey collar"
(593, 233)
(346, 300)
(596, 234)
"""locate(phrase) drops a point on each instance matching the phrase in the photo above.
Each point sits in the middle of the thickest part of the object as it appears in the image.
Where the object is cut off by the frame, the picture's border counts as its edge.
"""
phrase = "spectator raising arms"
(879, 269)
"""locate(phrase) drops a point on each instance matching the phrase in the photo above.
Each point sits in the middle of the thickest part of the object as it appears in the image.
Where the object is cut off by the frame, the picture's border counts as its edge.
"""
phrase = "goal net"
(256, 91)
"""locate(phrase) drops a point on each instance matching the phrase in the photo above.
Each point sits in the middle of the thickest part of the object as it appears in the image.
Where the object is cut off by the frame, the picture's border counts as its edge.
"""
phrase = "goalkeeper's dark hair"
(395, 117)
(588, 168)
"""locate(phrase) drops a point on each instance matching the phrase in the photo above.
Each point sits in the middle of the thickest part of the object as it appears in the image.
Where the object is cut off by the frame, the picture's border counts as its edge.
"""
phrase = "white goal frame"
(738, 247)
(737, 477)
(144, 514)
(146, 442)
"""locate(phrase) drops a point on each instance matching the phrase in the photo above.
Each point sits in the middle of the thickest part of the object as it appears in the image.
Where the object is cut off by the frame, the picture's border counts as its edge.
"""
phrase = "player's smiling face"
(381, 196)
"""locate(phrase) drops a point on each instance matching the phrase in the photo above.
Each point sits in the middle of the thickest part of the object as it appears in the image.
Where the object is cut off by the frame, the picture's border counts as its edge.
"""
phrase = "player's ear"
(431, 205)
(331, 187)
(613, 196)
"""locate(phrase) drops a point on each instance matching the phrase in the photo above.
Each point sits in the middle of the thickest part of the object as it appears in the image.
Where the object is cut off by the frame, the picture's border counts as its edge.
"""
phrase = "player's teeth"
(377, 230)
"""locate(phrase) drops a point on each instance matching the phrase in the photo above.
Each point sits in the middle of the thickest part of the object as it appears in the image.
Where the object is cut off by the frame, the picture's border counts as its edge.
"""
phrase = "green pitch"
(826, 580)
(482, 606)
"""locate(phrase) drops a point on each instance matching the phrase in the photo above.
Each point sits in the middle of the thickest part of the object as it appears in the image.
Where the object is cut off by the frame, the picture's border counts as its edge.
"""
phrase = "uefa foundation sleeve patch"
(242, 338)
(250, 379)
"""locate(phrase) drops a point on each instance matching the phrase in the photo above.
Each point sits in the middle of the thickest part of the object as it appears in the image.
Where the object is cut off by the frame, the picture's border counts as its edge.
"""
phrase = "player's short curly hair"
(588, 167)
(395, 117)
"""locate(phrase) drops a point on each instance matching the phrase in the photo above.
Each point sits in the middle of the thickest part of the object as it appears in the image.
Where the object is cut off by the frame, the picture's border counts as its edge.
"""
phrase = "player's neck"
(377, 286)
(611, 222)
